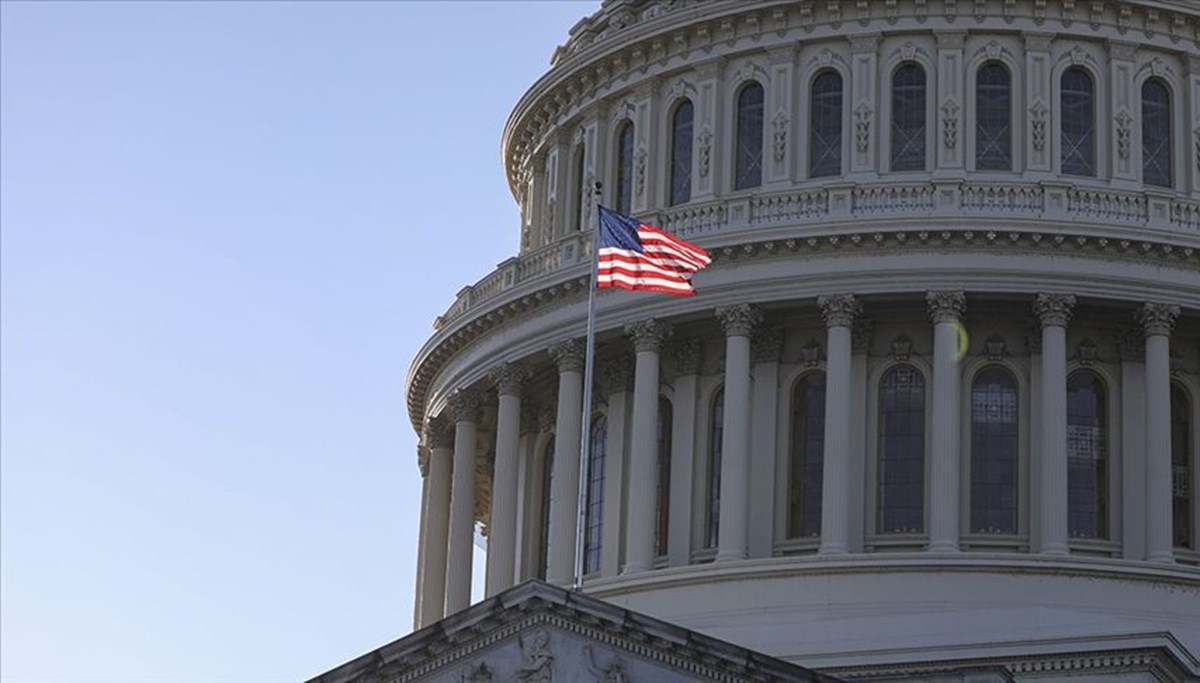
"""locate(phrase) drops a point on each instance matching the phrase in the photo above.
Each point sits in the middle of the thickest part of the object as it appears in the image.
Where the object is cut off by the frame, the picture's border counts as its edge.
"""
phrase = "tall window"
(594, 523)
(994, 452)
(681, 153)
(807, 456)
(748, 156)
(1156, 133)
(712, 520)
(993, 118)
(908, 118)
(543, 563)
(1078, 123)
(625, 167)
(901, 469)
(663, 498)
(1087, 456)
(825, 131)
(1183, 498)
(580, 189)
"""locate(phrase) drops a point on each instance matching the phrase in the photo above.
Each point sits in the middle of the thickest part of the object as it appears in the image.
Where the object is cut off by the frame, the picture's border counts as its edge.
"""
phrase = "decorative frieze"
(839, 310)
(1157, 318)
(508, 379)
(739, 320)
(648, 335)
(766, 345)
(1053, 309)
(946, 306)
(569, 355)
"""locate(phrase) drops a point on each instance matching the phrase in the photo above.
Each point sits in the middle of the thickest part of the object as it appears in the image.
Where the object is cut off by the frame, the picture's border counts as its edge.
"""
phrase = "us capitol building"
(935, 412)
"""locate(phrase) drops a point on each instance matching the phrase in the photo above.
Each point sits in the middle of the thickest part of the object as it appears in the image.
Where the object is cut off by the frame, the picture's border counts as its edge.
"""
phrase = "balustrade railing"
(847, 204)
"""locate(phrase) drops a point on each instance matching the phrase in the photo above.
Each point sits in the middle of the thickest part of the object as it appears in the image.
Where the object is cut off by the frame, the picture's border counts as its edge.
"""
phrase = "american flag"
(638, 256)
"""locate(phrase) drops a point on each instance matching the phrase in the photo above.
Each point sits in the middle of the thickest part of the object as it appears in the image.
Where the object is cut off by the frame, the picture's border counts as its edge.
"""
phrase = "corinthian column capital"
(439, 433)
(946, 306)
(508, 379)
(648, 335)
(839, 310)
(1157, 318)
(1053, 309)
(569, 355)
(465, 405)
(739, 320)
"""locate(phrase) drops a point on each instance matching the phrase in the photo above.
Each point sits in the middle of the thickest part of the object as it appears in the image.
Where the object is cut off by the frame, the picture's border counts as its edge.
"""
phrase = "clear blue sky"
(225, 229)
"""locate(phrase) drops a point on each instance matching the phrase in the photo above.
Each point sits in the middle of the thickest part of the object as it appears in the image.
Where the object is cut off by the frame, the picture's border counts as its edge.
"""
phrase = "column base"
(1054, 550)
(634, 568)
(730, 557)
(832, 550)
(1161, 557)
(942, 547)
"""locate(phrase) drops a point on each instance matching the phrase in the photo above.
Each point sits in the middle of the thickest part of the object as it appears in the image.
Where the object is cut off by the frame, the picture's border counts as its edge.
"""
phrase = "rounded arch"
(994, 466)
(901, 449)
(749, 139)
(1085, 59)
(992, 109)
(909, 117)
(1158, 132)
(624, 138)
(681, 126)
(806, 454)
(1089, 444)
(826, 112)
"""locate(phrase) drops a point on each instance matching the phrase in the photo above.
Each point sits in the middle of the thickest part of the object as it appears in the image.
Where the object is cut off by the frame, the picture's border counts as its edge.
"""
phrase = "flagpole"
(588, 371)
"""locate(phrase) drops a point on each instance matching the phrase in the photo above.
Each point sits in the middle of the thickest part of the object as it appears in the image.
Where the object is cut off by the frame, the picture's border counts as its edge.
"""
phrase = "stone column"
(946, 309)
(617, 382)
(839, 311)
(1131, 348)
(434, 537)
(465, 405)
(419, 593)
(739, 321)
(502, 539)
(862, 336)
(564, 508)
(648, 337)
(686, 357)
(1157, 321)
(765, 349)
(1053, 312)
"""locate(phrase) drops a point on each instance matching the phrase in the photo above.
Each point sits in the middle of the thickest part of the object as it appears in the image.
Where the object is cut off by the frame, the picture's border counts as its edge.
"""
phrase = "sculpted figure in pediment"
(538, 666)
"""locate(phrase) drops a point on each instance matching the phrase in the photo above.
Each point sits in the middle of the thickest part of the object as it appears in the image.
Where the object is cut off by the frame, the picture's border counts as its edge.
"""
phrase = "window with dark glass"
(712, 518)
(901, 466)
(663, 497)
(1156, 133)
(993, 118)
(625, 167)
(681, 153)
(544, 514)
(748, 156)
(807, 456)
(1087, 456)
(580, 190)
(1183, 497)
(994, 452)
(825, 130)
(594, 521)
(908, 118)
(1078, 123)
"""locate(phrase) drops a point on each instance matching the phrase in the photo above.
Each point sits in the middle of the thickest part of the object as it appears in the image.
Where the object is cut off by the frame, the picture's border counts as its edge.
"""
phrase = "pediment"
(538, 633)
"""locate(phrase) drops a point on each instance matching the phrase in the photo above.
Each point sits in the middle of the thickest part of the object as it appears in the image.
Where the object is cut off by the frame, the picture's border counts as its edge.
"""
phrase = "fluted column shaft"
(462, 503)
(1157, 321)
(839, 311)
(437, 529)
(946, 310)
(648, 337)
(739, 322)
(1053, 311)
(564, 495)
(419, 593)
(502, 537)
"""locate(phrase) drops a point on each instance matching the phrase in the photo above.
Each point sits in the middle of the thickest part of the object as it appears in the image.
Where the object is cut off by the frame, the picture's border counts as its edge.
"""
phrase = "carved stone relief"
(639, 171)
(779, 135)
(1124, 130)
(705, 155)
(862, 126)
(1038, 120)
(950, 123)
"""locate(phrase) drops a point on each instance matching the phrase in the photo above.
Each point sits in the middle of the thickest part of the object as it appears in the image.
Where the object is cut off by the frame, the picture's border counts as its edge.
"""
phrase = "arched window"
(993, 118)
(1087, 456)
(994, 452)
(748, 157)
(544, 514)
(594, 523)
(825, 129)
(712, 519)
(1078, 123)
(908, 118)
(901, 467)
(807, 456)
(681, 153)
(663, 498)
(625, 167)
(580, 189)
(1183, 497)
(1156, 133)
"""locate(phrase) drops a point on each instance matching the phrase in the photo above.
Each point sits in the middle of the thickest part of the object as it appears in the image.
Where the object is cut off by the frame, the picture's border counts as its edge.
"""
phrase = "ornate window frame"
(1017, 104)
(1087, 57)
(1111, 546)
